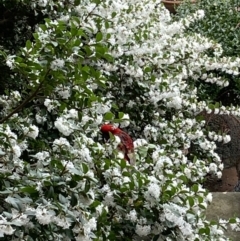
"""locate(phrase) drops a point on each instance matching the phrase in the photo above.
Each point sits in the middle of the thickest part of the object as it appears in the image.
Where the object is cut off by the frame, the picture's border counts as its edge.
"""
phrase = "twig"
(30, 97)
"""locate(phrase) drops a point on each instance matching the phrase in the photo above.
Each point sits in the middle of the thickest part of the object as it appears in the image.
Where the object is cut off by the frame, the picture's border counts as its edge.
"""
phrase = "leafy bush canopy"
(220, 23)
(124, 62)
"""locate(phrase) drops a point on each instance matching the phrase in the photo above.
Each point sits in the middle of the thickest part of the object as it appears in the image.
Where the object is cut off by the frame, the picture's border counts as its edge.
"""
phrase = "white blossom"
(57, 64)
(40, 119)
(41, 156)
(10, 61)
(90, 225)
(7, 229)
(132, 215)
(61, 143)
(31, 131)
(44, 216)
(153, 193)
(63, 126)
(16, 150)
(119, 57)
(226, 139)
(125, 120)
(143, 230)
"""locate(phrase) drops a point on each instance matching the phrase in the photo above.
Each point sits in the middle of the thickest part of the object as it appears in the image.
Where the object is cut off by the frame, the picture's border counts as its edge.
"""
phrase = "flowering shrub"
(123, 62)
(220, 23)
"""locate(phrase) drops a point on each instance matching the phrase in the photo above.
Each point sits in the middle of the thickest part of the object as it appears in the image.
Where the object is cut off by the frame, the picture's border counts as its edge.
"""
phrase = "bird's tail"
(131, 158)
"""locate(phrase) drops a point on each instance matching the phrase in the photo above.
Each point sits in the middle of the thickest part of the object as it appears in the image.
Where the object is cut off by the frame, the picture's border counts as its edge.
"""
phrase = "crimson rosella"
(126, 146)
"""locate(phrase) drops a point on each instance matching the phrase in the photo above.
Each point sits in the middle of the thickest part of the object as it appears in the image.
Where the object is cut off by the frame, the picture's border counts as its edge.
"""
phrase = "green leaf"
(143, 151)
(77, 42)
(85, 168)
(120, 115)
(87, 186)
(109, 116)
(76, 171)
(28, 44)
(50, 193)
(76, 2)
(114, 14)
(147, 69)
(195, 188)
(99, 37)
(124, 189)
(232, 220)
(123, 164)
(86, 69)
(15, 202)
(29, 189)
(74, 31)
(62, 199)
(190, 201)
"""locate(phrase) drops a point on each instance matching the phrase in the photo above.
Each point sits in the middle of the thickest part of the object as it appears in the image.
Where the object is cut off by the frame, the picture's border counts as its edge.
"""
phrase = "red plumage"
(126, 145)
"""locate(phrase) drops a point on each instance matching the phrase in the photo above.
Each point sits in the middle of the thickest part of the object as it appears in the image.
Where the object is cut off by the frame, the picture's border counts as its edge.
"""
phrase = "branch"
(29, 98)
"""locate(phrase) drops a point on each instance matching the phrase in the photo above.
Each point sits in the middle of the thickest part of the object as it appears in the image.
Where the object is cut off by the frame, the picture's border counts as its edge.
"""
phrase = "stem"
(29, 98)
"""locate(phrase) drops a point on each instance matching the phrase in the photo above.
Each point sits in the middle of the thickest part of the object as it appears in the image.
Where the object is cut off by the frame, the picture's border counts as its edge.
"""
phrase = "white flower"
(7, 229)
(175, 102)
(41, 156)
(226, 139)
(235, 226)
(40, 119)
(64, 92)
(152, 194)
(63, 126)
(63, 222)
(85, 154)
(101, 108)
(187, 172)
(39, 187)
(109, 199)
(68, 165)
(31, 131)
(10, 61)
(42, 3)
(221, 166)
(82, 237)
(209, 197)
(16, 150)
(219, 175)
(132, 216)
(51, 104)
(61, 142)
(100, 208)
(44, 216)
(89, 226)
(213, 167)
(140, 142)
(143, 230)
(125, 120)
(73, 114)
(105, 188)
(19, 218)
(57, 64)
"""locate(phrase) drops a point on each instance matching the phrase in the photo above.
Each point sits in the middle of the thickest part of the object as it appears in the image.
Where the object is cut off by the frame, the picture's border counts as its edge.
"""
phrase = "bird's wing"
(126, 140)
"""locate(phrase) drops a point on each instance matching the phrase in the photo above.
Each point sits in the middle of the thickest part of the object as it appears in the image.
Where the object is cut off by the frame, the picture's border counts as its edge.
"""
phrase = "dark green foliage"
(221, 23)
(17, 23)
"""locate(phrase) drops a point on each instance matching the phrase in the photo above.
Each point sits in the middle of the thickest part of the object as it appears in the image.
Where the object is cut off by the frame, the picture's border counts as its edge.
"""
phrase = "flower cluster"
(118, 61)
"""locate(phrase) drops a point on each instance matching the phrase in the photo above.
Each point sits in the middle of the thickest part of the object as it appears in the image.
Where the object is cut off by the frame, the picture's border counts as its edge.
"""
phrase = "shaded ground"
(226, 184)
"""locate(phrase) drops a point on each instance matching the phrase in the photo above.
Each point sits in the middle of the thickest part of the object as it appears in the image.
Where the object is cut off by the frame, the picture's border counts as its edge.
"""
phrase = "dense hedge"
(92, 62)
(222, 24)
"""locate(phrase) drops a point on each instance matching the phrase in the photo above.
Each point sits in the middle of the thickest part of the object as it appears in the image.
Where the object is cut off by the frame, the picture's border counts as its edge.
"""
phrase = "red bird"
(126, 145)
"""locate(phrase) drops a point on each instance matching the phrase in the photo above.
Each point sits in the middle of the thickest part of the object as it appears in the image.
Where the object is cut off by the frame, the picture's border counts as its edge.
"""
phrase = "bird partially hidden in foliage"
(126, 146)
